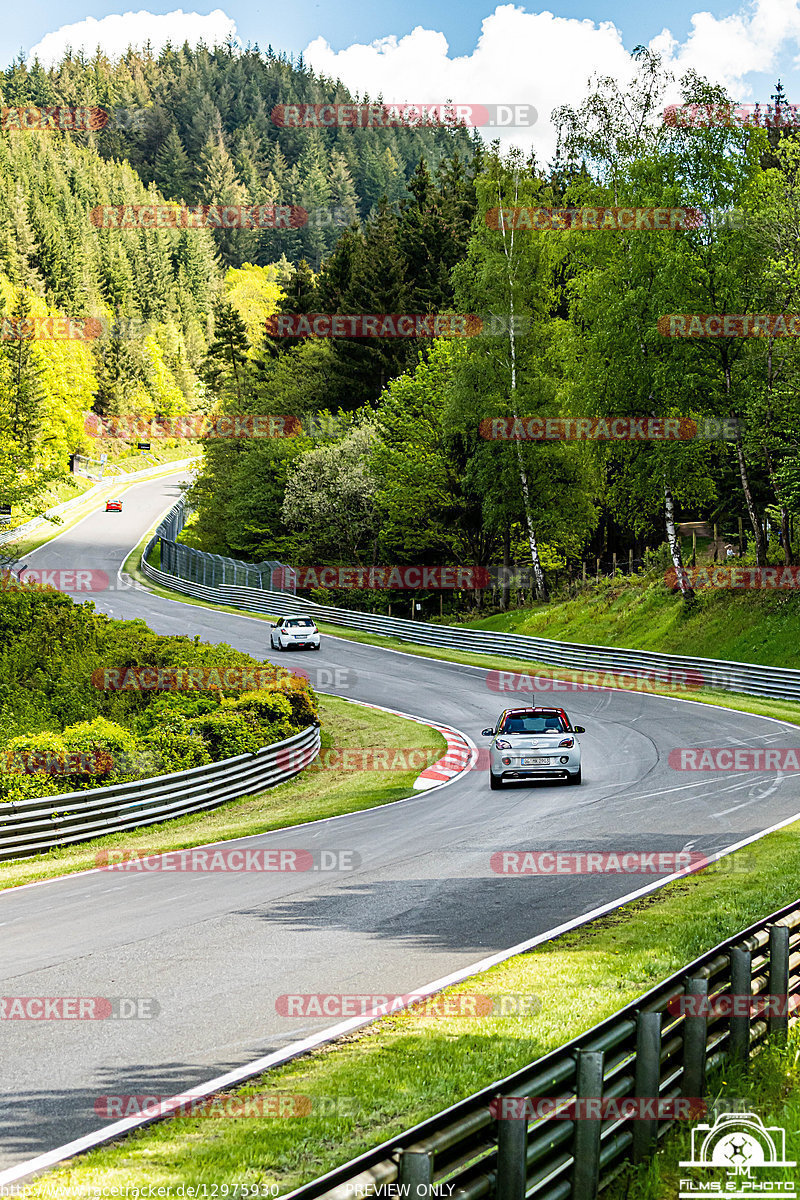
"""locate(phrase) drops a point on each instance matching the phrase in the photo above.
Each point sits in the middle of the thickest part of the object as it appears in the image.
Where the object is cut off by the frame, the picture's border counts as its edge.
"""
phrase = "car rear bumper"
(534, 773)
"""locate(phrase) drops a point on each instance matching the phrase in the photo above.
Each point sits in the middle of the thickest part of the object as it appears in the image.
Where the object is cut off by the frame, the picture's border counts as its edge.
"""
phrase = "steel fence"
(212, 570)
(659, 1048)
(29, 827)
(682, 671)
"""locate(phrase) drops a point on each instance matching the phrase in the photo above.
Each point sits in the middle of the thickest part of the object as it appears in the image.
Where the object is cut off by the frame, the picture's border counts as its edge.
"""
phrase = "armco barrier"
(748, 678)
(29, 827)
(643, 1051)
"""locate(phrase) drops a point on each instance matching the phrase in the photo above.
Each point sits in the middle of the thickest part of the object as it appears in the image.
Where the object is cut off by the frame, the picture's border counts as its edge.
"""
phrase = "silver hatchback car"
(534, 743)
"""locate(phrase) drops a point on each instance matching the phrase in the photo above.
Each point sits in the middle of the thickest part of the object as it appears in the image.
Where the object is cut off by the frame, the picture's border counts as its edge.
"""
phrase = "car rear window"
(302, 621)
(535, 723)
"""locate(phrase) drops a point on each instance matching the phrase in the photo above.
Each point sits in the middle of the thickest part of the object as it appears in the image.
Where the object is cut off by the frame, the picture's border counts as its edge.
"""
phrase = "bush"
(105, 744)
(227, 733)
(37, 765)
(305, 710)
(171, 710)
(176, 750)
(265, 706)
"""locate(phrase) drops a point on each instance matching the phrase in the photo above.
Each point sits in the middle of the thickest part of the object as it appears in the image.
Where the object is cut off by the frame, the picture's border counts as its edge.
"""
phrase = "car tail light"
(503, 745)
(566, 742)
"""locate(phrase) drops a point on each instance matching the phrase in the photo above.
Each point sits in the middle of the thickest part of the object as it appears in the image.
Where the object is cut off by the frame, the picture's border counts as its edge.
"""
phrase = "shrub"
(107, 744)
(176, 750)
(227, 733)
(305, 710)
(170, 710)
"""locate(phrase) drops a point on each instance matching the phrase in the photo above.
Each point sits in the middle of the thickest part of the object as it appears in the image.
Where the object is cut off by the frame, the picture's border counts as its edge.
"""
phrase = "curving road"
(215, 950)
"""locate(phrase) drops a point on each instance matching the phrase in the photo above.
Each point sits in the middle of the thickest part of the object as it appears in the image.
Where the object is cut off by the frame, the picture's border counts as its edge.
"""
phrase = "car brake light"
(503, 745)
(568, 742)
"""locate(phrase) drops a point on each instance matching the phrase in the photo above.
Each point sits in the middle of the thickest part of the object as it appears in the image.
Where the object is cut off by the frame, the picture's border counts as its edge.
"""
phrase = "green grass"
(641, 614)
(44, 535)
(308, 797)
(770, 1089)
(403, 1068)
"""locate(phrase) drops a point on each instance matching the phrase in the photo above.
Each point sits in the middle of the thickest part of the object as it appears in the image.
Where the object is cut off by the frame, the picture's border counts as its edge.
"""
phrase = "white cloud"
(544, 60)
(115, 33)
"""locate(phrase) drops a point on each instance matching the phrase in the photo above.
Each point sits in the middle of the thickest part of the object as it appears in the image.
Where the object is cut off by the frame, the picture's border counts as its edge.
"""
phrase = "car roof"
(534, 712)
(551, 708)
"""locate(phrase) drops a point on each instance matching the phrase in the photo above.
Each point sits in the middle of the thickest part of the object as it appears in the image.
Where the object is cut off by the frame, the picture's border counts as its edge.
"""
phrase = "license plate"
(535, 762)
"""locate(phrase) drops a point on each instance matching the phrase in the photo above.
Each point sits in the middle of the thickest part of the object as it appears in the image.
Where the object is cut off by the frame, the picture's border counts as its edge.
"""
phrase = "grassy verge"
(371, 1085)
(639, 613)
(770, 1089)
(54, 528)
(310, 796)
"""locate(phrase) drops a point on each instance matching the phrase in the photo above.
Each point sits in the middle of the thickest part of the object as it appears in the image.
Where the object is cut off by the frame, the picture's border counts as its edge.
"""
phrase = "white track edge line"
(278, 1058)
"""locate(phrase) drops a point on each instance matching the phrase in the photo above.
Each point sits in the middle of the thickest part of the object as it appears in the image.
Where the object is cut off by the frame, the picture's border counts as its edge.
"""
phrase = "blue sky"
(473, 51)
(292, 26)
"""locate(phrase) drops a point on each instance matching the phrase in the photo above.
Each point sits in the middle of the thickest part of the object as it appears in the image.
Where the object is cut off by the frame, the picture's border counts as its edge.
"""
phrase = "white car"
(534, 743)
(298, 633)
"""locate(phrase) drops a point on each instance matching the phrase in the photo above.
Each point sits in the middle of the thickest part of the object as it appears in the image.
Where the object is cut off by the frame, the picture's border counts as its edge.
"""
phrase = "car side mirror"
(578, 729)
(487, 733)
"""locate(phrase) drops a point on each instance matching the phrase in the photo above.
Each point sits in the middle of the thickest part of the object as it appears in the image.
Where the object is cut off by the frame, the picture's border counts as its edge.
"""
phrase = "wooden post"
(630, 560)
(715, 544)
(597, 576)
(390, 610)
(412, 610)
(583, 570)
(614, 568)
(441, 604)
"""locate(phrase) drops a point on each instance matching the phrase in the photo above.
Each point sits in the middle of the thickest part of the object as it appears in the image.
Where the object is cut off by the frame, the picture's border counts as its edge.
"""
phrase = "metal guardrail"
(646, 1050)
(683, 671)
(29, 827)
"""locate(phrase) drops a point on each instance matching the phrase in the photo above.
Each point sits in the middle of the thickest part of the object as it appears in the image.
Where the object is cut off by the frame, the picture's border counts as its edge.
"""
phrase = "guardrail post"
(647, 1079)
(778, 1024)
(586, 1143)
(415, 1173)
(741, 982)
(695, 1034)
(512, 1149)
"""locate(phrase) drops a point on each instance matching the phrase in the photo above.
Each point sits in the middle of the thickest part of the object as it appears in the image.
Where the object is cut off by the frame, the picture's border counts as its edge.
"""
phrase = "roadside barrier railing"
(686, 673)
(659, 1047)
(29, 827)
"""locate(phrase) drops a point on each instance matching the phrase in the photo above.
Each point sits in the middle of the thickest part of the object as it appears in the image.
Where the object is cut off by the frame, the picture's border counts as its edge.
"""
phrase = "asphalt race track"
(216, 950)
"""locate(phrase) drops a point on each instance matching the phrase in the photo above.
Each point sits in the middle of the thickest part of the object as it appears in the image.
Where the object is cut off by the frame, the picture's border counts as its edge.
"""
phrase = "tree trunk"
(538, 574)
(687, 591)
(761, 557)
(505, 593)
